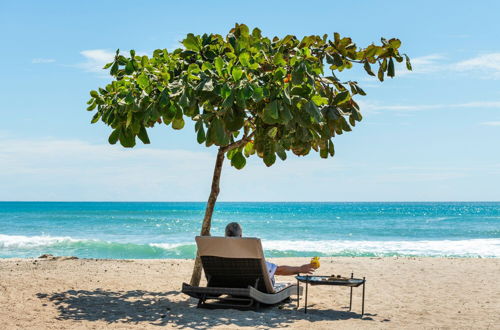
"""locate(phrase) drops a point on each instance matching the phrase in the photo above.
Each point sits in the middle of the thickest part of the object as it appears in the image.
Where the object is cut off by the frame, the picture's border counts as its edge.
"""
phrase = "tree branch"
(237, 143)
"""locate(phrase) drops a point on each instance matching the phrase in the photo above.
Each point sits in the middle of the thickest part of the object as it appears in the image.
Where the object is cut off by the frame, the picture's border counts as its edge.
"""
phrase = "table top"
(327, 280)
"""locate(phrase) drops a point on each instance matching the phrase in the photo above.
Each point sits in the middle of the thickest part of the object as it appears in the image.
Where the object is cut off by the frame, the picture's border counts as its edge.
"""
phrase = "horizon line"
(365, 201)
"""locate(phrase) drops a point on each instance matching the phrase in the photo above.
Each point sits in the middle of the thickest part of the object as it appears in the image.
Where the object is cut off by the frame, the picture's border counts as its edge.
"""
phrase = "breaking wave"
(33, 246)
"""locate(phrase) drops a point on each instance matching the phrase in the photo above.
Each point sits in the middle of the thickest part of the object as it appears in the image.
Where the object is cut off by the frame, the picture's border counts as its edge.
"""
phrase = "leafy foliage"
(246, 93)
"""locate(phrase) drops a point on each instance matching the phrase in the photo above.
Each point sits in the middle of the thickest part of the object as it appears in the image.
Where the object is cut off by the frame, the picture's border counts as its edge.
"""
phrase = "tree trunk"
(207, 220)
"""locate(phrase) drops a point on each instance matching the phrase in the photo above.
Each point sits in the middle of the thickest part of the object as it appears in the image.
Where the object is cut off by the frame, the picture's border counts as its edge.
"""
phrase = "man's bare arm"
(291, 270)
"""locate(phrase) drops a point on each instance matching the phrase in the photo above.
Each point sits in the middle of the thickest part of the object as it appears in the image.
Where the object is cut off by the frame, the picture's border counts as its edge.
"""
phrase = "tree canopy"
(246, 93)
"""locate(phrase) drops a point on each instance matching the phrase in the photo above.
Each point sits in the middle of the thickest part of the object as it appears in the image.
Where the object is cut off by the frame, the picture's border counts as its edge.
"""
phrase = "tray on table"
(325, 280)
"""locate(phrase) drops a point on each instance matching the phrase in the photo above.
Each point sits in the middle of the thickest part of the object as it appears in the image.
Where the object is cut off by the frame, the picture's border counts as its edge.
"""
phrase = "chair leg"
(201, 301)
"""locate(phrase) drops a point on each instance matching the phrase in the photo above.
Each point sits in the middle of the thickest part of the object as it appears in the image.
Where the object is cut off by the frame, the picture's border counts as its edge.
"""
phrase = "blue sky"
(429, 135)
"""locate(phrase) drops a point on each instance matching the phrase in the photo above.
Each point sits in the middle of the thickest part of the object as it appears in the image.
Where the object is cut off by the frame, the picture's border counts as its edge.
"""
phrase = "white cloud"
(51, 169)
(42, 60)
(95, 59)
(423, 64)
(487, 64)
(491, 123)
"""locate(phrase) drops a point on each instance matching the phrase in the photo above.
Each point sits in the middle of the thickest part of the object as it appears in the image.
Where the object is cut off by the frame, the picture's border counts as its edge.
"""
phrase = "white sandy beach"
(136, 294)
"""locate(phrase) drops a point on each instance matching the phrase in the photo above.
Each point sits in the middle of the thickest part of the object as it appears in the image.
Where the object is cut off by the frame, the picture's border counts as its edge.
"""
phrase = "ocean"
(136, 230)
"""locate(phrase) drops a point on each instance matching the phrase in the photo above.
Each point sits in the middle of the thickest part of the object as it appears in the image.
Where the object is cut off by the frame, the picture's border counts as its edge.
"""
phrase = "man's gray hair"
(233, 229)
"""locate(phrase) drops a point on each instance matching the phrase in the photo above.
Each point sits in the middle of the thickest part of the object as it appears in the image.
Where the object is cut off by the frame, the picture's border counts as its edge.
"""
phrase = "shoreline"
(410, 257)
(401, 292)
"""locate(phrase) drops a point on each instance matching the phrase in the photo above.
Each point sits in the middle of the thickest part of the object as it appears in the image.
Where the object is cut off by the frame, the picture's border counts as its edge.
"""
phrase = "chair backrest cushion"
(234, 262)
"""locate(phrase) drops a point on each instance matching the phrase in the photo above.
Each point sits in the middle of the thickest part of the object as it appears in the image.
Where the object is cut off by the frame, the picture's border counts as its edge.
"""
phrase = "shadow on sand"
(158, 308)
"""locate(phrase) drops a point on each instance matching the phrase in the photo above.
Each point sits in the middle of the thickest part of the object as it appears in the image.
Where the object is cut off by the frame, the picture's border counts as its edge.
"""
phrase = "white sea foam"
(27, 242)
(473, 247)
(168, 246)
(467, 248)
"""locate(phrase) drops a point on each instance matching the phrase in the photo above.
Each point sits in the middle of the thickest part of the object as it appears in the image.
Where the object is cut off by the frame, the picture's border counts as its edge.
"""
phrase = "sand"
(410, 293)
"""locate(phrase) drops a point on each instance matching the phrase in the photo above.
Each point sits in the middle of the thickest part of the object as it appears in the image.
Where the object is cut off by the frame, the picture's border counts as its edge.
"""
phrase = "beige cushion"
(234, 247)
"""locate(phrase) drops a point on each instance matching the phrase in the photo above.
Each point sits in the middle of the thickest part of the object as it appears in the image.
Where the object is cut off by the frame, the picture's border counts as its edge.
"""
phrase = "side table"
(326, 280)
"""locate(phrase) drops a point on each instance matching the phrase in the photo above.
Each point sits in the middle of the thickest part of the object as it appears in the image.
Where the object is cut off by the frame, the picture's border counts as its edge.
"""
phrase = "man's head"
(233, 229)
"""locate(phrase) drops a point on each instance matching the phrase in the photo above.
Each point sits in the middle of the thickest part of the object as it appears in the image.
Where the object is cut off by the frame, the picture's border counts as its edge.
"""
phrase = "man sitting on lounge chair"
(233, 229)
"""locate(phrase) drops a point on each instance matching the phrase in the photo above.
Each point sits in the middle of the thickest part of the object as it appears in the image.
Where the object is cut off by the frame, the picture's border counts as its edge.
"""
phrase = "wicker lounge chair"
(236, 275)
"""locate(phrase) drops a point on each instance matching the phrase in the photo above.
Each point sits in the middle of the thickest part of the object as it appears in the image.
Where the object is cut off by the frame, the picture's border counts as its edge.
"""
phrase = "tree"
(246, 93)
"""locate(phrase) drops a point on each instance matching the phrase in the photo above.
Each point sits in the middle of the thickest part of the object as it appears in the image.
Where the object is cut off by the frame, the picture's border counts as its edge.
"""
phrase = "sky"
(428, 135)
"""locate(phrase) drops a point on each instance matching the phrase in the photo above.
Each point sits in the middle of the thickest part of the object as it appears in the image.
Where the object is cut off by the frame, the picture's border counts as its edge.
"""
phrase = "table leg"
(350, 300)
(350, 297)
(307, 284)
(363, 300)
(298, 292)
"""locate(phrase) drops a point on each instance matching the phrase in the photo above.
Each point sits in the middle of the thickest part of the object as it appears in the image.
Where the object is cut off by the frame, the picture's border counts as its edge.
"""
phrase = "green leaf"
(143, 135)
(220, 134)
(312, 109)
(94, 94)
(408, 63)
(96, 117)
(270, 159)
(129, 68)
(258, 94)
(92, 106)
(249, 150)
(390, 69)
(228, 102)
(281, 153)
(394, 43)
(352, 121)
(285, 114)
(244, 59)
(127, 139)
(178, 123)
(234, 121)
(298, 75)
(360, 90)
(380, 73)
(323, 153)
(341, 98)
(192, 43)
(184, 100)
(200, 136)
(238, 160)
(143, 80)
(368, 69)
(206, 85)
(272, 132)
(193, 68)
(207, 66)
(331, 149)
(114, 68)
(319, 100)
(271, 110)
(130, 115)
(219, 64)
(237, 73)
(113, 137)
(278, 59)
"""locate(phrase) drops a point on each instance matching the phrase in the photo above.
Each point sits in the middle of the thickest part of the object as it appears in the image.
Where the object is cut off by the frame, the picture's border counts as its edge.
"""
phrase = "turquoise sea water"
(166, 230)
